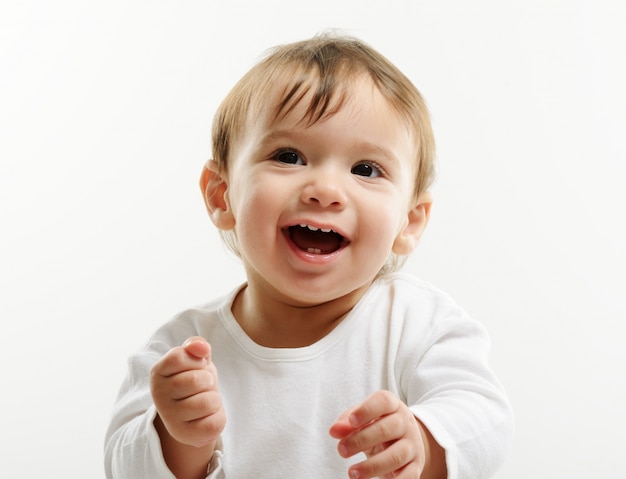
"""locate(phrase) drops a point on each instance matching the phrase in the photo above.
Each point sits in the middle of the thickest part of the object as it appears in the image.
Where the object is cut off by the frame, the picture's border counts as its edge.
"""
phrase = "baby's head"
(320, 72)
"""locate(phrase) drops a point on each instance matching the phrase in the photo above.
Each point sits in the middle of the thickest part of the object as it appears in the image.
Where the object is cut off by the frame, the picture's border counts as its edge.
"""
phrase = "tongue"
(306, 240)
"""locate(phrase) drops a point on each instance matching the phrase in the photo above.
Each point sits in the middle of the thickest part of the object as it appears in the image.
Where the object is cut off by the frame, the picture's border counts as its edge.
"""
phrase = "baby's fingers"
(397, 461)
(373, 437)
(184, 358)
(192, 382)
(378, 404)
(198, 347)
(199, 420)
(341, 427)
(199, 406)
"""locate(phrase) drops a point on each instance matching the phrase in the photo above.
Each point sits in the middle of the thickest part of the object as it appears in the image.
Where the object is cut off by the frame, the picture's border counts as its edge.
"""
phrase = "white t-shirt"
(403, 336)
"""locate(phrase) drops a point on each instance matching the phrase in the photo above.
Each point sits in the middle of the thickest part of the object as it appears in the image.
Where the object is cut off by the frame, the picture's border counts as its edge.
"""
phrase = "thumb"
(198, 347)
(341, 427)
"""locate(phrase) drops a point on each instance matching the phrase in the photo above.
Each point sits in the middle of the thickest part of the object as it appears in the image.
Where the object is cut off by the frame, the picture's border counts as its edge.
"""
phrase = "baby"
(331, 363)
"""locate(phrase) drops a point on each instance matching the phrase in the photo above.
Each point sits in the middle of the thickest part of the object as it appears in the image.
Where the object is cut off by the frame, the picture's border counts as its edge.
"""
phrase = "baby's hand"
(184, 389)
(387, 432)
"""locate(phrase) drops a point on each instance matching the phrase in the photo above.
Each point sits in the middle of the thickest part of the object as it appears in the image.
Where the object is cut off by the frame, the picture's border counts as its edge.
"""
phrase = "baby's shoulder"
(413, 292)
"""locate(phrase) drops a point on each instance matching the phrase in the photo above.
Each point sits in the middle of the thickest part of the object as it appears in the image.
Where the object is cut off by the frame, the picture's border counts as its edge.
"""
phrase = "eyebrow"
(276, 135)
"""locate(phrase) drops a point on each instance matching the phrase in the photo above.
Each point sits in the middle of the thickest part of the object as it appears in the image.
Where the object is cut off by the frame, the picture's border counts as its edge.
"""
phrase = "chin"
(315, 292)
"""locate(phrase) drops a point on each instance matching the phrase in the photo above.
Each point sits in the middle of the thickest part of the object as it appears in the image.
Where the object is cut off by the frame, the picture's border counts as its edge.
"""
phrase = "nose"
(324, 189)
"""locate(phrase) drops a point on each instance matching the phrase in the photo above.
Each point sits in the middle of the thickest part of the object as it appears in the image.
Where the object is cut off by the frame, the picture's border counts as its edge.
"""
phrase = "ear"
(214, 188)
(414, 226)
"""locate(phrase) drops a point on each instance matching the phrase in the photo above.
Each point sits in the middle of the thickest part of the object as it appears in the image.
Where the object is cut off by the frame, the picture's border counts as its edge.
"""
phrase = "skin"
(351, 172)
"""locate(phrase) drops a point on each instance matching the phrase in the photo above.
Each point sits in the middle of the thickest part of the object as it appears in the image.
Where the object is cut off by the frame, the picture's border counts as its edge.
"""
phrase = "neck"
(271, 320)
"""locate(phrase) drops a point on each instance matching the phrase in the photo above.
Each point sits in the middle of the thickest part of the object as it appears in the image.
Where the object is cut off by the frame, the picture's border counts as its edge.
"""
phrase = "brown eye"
(366, 169)
(289, 157)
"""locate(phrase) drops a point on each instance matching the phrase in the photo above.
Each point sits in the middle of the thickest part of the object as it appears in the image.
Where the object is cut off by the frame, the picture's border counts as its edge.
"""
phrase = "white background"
(105, 114)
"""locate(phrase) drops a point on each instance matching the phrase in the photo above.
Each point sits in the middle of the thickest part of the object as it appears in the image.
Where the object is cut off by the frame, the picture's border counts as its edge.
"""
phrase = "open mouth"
(316, 240)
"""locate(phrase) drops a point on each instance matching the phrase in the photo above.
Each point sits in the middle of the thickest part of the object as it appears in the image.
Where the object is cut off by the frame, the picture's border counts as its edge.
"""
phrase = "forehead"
(304, 99)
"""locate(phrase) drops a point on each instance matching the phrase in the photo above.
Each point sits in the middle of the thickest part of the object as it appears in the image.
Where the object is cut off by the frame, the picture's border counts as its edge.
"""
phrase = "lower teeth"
(314, 250)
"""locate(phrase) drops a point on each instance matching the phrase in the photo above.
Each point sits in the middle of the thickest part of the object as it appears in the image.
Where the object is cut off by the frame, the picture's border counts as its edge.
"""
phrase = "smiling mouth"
(316, 240)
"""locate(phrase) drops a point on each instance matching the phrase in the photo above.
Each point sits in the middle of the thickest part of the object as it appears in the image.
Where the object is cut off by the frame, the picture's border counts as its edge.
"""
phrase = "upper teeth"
(313, 228)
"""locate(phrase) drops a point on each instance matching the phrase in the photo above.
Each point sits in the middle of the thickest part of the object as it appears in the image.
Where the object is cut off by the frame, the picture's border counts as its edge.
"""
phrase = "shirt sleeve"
(455, 394)
(132, 444)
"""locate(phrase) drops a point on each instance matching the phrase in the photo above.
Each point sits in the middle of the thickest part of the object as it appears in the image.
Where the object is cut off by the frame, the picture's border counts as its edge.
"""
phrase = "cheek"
(380, 230)
(386, 213)
(255, 213)
(395, 224)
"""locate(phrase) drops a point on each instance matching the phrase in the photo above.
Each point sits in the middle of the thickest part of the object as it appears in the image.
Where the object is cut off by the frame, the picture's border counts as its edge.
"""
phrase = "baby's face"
(318, 208)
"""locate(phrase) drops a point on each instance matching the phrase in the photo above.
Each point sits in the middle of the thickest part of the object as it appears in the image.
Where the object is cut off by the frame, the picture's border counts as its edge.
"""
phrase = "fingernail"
(190, 341)
(353, 420)
(354, 474)
(343, 450)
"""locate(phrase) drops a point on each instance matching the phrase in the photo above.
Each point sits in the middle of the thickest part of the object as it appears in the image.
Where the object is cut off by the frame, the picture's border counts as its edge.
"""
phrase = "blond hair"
(322, 70)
